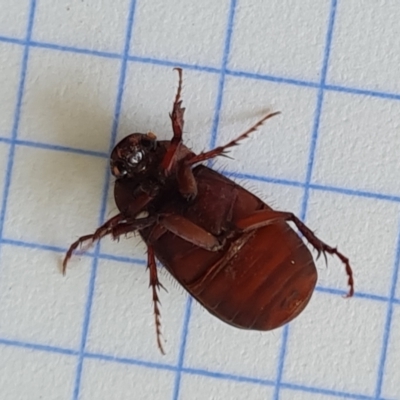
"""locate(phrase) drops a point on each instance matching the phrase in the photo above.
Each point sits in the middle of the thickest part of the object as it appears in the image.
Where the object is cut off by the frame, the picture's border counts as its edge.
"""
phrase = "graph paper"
(76, 76)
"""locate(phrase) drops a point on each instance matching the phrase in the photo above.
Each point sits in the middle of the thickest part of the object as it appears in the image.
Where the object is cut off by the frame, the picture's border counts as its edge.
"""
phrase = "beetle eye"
(118, 170)
(135, 158)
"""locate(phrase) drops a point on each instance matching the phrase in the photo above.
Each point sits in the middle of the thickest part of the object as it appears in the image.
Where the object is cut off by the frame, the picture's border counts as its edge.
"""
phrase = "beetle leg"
(132, 226)
(267, 217)
(177, 112)
(114, 227)
(221, 150)
(186, 181)
(104, 230)
(132, 201)
(155, 285)
(187, 230)
(177, 126)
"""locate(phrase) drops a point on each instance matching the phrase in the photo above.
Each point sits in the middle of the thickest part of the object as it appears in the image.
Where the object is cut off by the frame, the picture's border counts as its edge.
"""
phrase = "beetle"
(232, 252)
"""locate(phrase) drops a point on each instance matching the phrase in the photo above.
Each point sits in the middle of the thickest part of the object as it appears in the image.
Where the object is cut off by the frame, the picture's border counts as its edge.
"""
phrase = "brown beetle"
(233, 253)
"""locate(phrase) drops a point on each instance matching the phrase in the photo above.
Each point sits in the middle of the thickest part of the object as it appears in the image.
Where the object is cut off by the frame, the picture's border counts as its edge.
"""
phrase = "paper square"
(82, 24)
(365, 48)
(54, 196)
(162, 30)
(28, 374)
(122, 320)
(335, 343)
(10, 68)
(71, 104)
(109, 380)
(14, 19)
(357, 144)
(37, 303)
(280, 147)
(197, 387)
(284, 38)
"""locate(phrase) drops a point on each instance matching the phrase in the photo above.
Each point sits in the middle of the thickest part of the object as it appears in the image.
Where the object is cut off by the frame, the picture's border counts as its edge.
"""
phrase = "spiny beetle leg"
(115, 227)
(267, 217)
(104, 230)
(155, 285)
(186, 181)
(221, 150)
(177, 126)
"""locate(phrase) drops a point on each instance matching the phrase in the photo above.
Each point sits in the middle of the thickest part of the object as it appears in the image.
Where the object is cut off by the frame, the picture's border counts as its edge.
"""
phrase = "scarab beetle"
(233, 253)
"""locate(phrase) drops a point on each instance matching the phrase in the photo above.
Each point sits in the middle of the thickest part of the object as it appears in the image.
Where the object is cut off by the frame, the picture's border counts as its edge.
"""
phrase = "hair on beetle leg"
(240, 250)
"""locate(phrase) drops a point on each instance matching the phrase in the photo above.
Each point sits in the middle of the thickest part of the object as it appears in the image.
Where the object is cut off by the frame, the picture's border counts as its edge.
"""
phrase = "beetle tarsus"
(155, 285)
(178, 92)
(71, 250)
(221, 150)
(104, 230)
(116, 227)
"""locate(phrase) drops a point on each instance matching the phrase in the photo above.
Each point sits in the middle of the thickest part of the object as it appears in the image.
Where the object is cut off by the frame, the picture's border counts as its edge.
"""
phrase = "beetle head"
(133, 155)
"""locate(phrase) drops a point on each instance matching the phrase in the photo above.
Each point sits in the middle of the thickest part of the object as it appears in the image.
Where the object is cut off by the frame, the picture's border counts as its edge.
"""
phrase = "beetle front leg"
(104, 230)
(186, 181)
(155, 286)
(267, 217)
(114, 226)
(177, 126)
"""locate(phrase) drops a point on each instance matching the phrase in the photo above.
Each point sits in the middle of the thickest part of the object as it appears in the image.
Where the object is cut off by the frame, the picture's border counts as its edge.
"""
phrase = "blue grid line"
(77, 50)
(205, 68)
(213, 139)
(118, 104)
(311, 157)
(388, 322)
(189, 371)
(221, 83)
(273, 78)
(281, 80)
(141, 261)
(182, 348)
(174, 64)
(17, 114)
(232, 174)
(315, 186)
(38, 347)
(7, 39)
(57, 147)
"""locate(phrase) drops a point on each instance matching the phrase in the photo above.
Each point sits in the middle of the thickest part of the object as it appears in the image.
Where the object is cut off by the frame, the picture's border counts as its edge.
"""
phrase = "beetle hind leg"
(155, 286)
(266, 217)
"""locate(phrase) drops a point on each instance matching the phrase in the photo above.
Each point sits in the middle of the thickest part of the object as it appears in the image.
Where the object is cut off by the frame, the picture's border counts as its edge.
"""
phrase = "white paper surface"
(76, 76)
